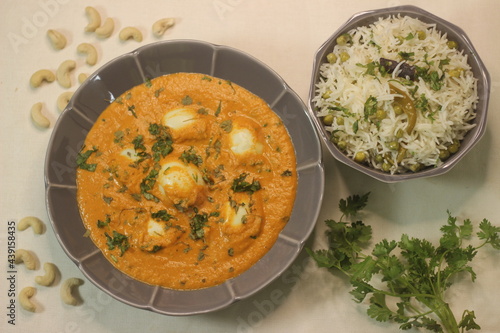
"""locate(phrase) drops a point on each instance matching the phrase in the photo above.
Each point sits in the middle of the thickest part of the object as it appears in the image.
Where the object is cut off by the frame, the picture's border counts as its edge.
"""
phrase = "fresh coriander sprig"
(417, 278)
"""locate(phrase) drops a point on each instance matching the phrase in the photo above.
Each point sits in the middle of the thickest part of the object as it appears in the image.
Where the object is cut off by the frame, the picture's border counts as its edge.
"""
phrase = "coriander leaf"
(489, 233)
(240, 185)
(187, 100)
(468, 321)
(190, 156)
(117, 240)
(353, 204)
(412, 270)
(197, 223)
(81, 160)
(161, 215)
(370, 107)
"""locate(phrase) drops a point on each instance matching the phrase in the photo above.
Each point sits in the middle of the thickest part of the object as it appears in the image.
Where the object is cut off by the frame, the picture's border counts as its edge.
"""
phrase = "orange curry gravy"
(186, 181)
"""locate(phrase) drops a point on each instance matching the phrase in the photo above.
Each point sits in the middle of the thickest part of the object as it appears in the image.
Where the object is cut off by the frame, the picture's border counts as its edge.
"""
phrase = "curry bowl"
(368, 19)
(135, 68)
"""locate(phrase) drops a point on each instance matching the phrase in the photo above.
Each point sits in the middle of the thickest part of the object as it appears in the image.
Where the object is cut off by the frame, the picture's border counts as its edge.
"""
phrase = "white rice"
(345, 85)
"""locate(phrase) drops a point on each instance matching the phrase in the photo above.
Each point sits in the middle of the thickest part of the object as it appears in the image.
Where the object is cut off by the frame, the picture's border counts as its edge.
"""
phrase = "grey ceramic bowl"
(132, 69)
(454, 33)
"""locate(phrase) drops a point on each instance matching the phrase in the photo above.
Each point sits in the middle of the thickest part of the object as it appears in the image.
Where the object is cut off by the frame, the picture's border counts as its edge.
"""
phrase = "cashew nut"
(160, 26)
(106, 29)
(63, 100)
(26, 257)
(57, 39)
(41, 75)
(130, 32)
(37, 116)
(62, 73)
(67, 291)
(25, 298)
(94, 19)
(82, 77)
(50, 275)
(30, 221)
(90, 51)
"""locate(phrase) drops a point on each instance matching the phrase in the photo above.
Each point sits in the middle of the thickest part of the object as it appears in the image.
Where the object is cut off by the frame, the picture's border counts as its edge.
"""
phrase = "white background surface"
(285, 35)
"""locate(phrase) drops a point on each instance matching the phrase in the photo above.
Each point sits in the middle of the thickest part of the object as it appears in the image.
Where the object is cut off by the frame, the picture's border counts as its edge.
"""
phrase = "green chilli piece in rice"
(397, 95)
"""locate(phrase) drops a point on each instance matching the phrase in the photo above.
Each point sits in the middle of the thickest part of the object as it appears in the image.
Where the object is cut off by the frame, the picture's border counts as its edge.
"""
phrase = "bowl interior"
(134, 68)
(453, 32)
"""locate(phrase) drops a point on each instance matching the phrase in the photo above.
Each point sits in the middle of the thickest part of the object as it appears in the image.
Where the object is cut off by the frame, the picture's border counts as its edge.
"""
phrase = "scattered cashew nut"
(63, 100)
(57, 39)
(160, 26)
(105, 30)
(37, 116)
(31, 221)
(41, 75)
(94, 19)
(82, 77)
(67, 290)
(25, 298)
(130, 32)
(50, 275)
(63, 71)
(24, 256)
(90, 51)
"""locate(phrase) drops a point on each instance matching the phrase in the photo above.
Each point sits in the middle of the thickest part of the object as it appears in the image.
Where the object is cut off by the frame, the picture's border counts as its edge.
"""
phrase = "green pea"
(415, 167)
(456, 72)
(380, 114)
(360, 157)
(393, 145)
(340, 120)
(344, 39)
(328, 120)
(444, 154)
(331, 57)
(453, 148)
(344, 56)
(421, 35)
(398, 109)
(342, 144)
(326, 94)
(386, 167)
(379, 158)
(452, 44)
(400, 133)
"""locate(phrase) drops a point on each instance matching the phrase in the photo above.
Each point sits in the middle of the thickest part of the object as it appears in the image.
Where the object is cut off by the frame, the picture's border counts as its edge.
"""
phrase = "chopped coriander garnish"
(187, 100)
(227, 125)
(370, 107)
(102, 224)
(190, 156)
(219, 108)
(240, 185)
(197, 223)
(161, 215)
(118, 240)
(131, 108)
(81, 160)
(158, 91)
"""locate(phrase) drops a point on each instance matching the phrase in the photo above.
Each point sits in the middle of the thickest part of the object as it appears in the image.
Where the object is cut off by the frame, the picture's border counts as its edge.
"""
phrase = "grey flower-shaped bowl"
(454, 33)
(132, 69)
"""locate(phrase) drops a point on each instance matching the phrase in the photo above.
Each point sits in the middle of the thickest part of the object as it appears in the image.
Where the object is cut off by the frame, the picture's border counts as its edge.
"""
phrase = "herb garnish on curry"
(186, 181)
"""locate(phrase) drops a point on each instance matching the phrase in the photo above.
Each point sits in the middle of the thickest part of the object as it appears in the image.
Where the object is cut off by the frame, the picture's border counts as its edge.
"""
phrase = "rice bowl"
(373, 66)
